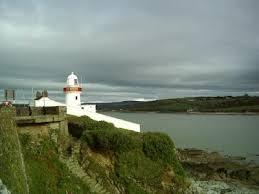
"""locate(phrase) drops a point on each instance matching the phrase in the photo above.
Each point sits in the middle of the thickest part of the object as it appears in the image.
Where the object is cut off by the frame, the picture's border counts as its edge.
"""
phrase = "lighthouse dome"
(72, 80)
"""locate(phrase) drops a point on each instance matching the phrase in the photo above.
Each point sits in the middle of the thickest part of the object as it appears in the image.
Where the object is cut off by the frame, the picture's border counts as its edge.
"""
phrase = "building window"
(75, 80)
(76, 97)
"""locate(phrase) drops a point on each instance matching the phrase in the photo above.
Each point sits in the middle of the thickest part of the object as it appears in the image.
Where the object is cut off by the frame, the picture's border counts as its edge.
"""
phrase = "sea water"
(234, 135)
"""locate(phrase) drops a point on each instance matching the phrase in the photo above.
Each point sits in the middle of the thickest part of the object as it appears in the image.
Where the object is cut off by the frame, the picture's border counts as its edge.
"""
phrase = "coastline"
(186, 113)
(224, 113)
(212, 171)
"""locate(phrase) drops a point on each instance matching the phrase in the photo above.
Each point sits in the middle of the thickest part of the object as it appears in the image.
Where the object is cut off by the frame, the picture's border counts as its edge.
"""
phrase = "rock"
(218, 187)
(206, 166)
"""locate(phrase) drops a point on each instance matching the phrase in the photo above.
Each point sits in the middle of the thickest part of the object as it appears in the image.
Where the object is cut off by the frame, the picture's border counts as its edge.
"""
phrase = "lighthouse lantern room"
(73, 91)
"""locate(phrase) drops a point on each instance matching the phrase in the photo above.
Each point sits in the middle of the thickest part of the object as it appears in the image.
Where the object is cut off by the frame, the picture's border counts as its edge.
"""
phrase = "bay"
(233, 135)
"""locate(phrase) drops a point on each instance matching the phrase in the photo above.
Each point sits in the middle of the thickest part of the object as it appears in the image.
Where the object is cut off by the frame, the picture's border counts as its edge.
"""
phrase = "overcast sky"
(130, 49)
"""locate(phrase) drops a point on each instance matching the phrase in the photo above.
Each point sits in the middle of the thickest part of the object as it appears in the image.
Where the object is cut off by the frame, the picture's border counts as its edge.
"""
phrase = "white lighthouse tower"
(73, 91)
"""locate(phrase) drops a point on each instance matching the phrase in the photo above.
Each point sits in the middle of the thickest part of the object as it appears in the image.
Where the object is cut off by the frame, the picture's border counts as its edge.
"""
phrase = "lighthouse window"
(75, 80)
(76, 97)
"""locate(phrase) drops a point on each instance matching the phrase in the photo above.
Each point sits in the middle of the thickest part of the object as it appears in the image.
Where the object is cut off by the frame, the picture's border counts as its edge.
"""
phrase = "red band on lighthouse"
(72, 89)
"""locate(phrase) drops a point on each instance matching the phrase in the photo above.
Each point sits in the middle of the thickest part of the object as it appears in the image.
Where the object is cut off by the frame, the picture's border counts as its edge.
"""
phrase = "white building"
(72, 91)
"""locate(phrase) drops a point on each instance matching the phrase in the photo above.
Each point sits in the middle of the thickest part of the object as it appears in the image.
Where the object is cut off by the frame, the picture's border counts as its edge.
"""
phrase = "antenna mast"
(81, 82)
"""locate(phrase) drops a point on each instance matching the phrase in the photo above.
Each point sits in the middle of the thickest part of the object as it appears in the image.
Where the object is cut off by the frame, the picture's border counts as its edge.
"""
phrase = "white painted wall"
(89, 107)
(100, 117)
(119, 123)
(73, 98)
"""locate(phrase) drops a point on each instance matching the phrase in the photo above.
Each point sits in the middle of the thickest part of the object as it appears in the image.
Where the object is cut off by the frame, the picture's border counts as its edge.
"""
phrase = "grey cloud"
(152, 49)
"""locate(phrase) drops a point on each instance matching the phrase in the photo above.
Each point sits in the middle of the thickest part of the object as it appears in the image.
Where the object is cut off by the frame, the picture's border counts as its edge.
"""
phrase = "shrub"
(141, 159)
(159, 146)
(102, 125)
(133, 188)
(134, 166)
(25, 139)
(77, 125)
(117, 140)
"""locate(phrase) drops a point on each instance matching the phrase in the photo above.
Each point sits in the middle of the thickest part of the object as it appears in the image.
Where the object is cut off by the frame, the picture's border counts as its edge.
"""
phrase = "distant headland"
(193, 105)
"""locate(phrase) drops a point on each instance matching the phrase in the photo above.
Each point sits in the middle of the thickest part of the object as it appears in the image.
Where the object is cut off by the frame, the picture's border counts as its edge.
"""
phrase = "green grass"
(140, 159)
(116, 140)
(159, 147)
(134, 166)
(201, 104)
(11, 167)
(80, 124)
(46, 174)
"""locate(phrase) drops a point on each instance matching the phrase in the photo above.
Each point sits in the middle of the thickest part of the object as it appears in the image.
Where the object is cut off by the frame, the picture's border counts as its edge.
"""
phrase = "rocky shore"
(214, 173)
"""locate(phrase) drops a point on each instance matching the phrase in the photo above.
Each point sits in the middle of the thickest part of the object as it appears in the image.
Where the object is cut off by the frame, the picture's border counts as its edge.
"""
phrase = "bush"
(141, 159)
(77, 125)
(25, 139)
(159, 147)
(133, 188)
(117, 140)
(134, 166)
(102, 125)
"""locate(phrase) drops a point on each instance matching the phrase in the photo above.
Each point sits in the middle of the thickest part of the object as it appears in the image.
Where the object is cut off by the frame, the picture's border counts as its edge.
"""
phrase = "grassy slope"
(46, 174)
(141, 162)
(201, 104)
(11, 166)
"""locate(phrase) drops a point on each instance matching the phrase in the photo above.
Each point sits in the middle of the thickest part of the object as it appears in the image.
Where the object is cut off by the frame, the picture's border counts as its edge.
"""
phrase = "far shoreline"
(187, 113)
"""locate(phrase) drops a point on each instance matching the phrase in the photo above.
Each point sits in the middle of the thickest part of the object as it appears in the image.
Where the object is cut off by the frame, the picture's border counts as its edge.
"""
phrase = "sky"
(130, 49)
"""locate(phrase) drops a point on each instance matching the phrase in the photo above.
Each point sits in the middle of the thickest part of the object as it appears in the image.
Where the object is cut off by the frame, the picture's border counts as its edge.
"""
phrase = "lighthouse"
(74, 107)
(72, 91)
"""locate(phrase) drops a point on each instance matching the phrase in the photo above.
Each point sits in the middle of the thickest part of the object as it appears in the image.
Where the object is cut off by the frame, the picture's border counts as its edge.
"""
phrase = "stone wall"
(38, 111)
(48, 121)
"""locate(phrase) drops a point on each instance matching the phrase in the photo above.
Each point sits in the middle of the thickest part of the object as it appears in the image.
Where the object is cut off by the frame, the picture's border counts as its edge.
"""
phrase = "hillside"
(125, 161)
(228, 104)
(95, 158)
(84, 156)
(12, 170)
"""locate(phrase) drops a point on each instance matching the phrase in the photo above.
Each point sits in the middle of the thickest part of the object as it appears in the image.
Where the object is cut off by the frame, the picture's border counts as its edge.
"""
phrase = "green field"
(240, 104)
